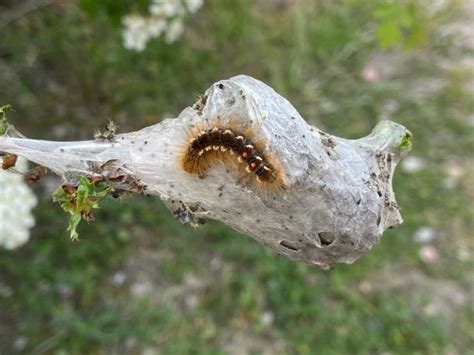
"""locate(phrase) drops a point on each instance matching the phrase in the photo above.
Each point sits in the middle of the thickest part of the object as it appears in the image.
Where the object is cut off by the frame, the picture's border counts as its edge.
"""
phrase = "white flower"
(134, 22)
(119, 278)
(20, 343)
(193, 5)
(16, 202)
(140, 289)
(166, 8)
(424, 235)
(165, 16)
(156, 27)
(412, 164)
(135, 35)
(132, 41)
(174, 31)
(267, 318)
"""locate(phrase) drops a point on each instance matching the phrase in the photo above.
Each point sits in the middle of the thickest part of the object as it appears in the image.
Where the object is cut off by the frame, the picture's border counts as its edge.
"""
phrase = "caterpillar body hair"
(238, 149)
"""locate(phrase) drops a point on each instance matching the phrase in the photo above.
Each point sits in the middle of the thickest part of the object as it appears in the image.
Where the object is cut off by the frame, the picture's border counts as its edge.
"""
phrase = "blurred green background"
(138, 282)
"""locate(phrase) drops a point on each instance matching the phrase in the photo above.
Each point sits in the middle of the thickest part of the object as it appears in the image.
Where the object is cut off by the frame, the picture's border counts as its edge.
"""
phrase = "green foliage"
(3, 120)
(79, 201)
(406, 141)
(113, 10)
(401, 22)
(5, 108)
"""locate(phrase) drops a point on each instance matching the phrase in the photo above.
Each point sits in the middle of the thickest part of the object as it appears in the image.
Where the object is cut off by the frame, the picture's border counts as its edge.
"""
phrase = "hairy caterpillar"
(236, 149)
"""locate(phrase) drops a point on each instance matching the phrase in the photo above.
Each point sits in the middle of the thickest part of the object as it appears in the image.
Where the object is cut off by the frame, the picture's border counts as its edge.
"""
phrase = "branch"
(323, 200)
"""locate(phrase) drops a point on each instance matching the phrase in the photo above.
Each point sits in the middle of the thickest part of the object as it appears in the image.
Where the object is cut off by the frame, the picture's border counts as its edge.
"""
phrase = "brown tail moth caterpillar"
(238, 150)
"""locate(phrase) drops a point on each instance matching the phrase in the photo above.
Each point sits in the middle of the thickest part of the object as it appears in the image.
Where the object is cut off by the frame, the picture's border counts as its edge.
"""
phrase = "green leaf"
(80, 203)
(388, 34)
(406, 141)
(73, 223)
(113, 9)
(417, 36)
(5, 108)
(3, 120)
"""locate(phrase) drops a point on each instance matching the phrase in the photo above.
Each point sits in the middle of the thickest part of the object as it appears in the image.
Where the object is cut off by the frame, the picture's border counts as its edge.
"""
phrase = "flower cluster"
(166, 16)
(16, 202)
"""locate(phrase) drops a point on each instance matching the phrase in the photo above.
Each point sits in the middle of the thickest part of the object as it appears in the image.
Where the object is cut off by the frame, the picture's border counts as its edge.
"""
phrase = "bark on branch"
(335, 197)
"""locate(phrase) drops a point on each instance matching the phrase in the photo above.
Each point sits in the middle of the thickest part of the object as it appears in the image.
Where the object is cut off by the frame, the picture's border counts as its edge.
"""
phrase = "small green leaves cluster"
(80, 200)
(3, 120)
(406, 141)
(402, 23)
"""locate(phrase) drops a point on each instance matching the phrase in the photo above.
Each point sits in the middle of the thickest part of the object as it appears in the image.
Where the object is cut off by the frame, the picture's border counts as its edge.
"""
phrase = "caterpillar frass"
(235, 149)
